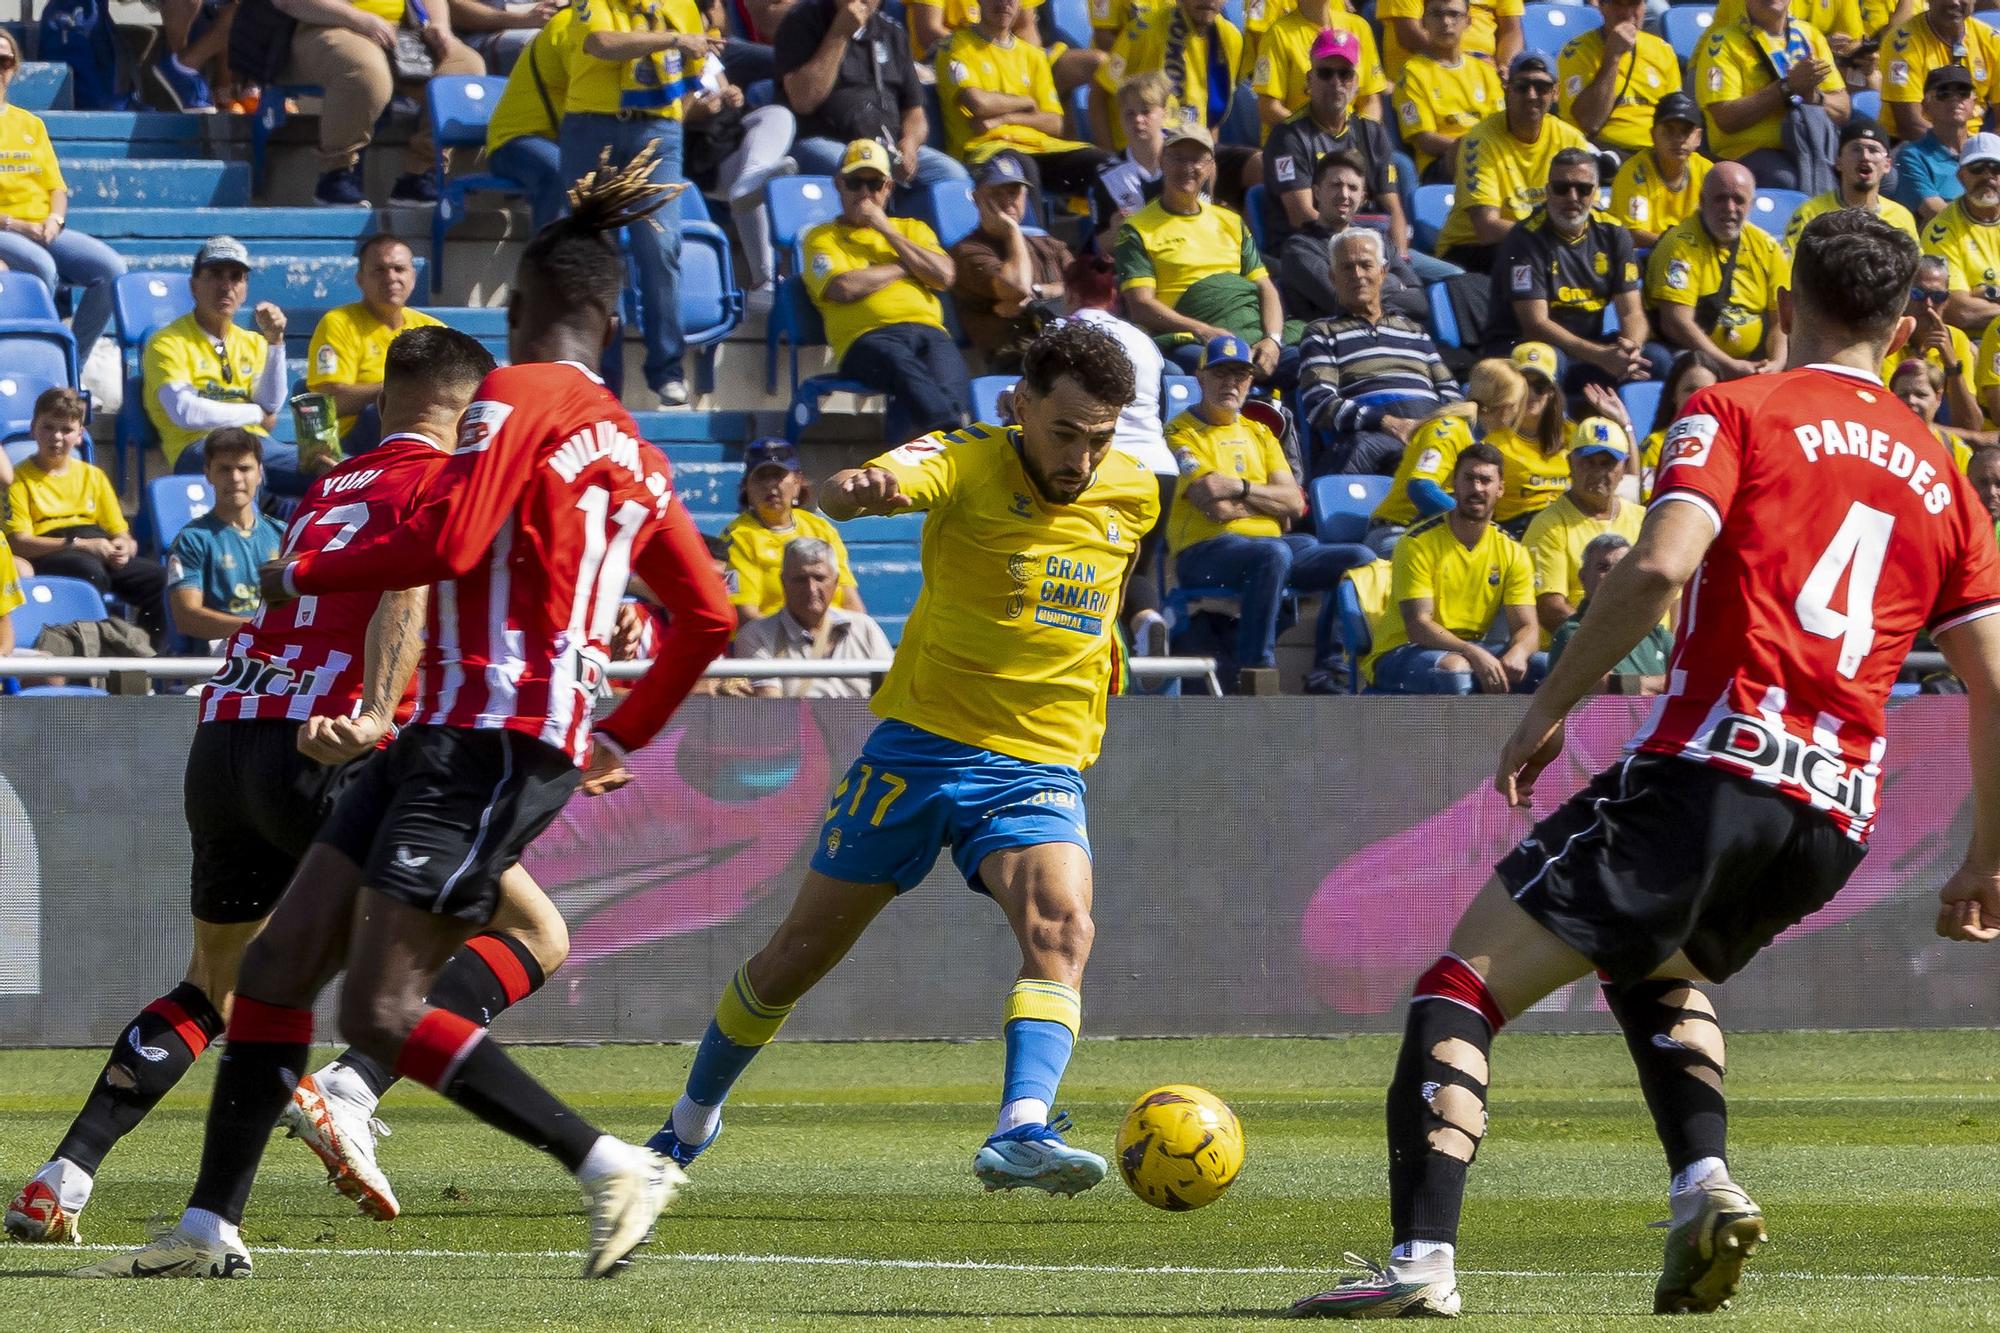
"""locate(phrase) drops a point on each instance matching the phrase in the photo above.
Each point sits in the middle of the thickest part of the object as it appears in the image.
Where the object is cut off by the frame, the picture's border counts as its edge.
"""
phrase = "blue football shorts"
(911, 793)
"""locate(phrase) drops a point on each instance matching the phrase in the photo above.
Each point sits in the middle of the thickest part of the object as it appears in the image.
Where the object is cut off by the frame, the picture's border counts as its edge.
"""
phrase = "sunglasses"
(864, 184)
(1581, 189)
(1344, 74)
(1928, 297)
(1982, 168)
(222, 356)
(1540, 87)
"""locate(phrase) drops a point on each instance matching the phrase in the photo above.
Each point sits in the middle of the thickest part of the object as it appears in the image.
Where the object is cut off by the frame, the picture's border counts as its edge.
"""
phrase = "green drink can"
(317, 426)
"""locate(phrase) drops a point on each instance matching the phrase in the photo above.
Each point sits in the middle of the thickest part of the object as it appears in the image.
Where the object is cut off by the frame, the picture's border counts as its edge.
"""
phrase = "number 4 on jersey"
(1857, 550)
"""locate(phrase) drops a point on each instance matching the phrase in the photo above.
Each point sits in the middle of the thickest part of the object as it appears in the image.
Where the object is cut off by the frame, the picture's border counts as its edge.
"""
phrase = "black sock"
(1676, 1043)
(1437, 1102)
(454, 1056)
(487, 976)
(147, 1060)
(266, 1053)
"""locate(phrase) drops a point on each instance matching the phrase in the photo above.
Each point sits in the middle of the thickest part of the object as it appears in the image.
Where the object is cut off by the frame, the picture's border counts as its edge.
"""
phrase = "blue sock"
(1037, 1053)
(718, 1063)
(743, 1025)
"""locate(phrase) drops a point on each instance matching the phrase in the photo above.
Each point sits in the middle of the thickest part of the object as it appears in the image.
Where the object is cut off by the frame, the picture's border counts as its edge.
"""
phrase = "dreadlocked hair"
(578, 255)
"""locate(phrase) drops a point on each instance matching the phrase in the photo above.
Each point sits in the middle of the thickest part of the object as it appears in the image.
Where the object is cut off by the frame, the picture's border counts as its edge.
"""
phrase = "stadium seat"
(1867, 103)
(43, 86)
(1177, 394)
(270, 115)
(1772, 210)
(904, 529)
(711, 302)
(174, 502)
(1341, 505)
(947, 206)
(889, 583)
(1642, 403)
(28, 366)
(797, 205)
(459, 105)
(135, 134)
(1684, 26)
(986, 391)
(1355, 637)
(1070, 20)
(28, 315)
(1253, 213)
(1444, 319)
(23, 296)
(1551, 27)
(1433, 207)
(142, 302)
(54, 601)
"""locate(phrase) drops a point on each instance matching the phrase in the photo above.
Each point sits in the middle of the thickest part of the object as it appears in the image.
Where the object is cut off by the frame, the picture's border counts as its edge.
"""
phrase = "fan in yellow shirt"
(1858, 170)
(11, 597)
(1284, 62)
(1737, 328)
(521, 136)
(1503, 164)
(1655, 190)
(1966, 235)
(1942, 345)
(932, 23)
(1847, 19)
(1737, 61)
(1188, 41)
(997, 91)
(1437, 104)
(351, 343)
(1492, 32)
(1926, 41)
(1986, 375)
(773, 488)
(1590, 507)
(836, 249)
(646, 85)
(1613, 101)
(1495, 393)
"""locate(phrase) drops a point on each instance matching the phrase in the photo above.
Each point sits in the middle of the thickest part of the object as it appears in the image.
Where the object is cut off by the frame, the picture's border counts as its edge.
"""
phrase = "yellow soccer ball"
(1180, 1147)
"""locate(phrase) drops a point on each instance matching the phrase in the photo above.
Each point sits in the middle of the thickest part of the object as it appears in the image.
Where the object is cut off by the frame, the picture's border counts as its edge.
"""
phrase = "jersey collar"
(1865, 376)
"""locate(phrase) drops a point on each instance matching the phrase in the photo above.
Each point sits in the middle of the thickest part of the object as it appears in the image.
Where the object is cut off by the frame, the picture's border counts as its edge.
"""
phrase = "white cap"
(1980, 148)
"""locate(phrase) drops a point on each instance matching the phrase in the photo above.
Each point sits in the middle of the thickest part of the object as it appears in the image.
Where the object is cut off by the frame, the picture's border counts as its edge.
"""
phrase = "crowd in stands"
(1259, 201)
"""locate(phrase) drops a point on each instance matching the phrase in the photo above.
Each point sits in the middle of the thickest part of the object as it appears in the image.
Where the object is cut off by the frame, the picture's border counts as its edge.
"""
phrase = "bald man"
(1713, 281)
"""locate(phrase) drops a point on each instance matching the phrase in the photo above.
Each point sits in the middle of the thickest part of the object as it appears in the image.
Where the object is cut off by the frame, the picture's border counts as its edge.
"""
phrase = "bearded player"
(305, 688)
(992, 710)
(530, 534)
(1823, 527)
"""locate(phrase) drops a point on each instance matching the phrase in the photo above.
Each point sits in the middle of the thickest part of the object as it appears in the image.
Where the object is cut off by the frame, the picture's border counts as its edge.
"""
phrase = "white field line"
(990, 1266)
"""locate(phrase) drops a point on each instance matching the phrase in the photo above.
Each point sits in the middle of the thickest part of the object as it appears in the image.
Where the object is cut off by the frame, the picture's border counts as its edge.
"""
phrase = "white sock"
(1023, 1111)
(605, 1156)
(1416, 1251)
(1686, 1196)
(210, 1228)
(337, 1080)
(693, 1122)
(70, 1182)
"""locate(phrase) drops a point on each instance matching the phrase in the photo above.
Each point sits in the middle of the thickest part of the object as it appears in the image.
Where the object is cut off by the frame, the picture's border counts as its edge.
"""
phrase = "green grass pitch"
(840, 1196)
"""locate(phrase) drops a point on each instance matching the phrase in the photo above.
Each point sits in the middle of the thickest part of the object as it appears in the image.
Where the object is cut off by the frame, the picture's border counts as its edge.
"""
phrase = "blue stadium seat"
(28, 366)
(180, 183)
(54, 601)
(711, 302)
(1253, 213)
(42, 86)
(28, 313)
(889, 585)
(459, 105)
(174, 502)
(1433, 207)
(1684, 26)
(1444, 320)
(797, 205)
(142, 302)
(1772, 210)
(1341, 505)
(986, 391)
(1177, 394)
(905, 529)
(1551, 27)
(708, 486)
(1355, 637)
(948, 208)
(1233, 11)
(1867, 103)
(1071, 21)
(270, 115)
(23, 296)
(1642, 403)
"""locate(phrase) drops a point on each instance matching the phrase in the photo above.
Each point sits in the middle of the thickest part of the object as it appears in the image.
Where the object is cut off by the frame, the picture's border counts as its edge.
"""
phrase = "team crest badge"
(833, 842)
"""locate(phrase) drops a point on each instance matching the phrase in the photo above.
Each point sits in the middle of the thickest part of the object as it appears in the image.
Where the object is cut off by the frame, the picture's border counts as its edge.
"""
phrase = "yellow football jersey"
(1011, 645)
(532, 103)
(1467, 586)
(1170, 252)
(182, 353)
(1445, 99)
(833, 248)
(1142, 47)
(29, 173)
(1243, 449)
(351, 346)
(1970, 249)
(1844, 17)
(757, 556)
(1019, 68)
(958, 14)
(1886, 208)
(1687, 265)
(12, 598)
(1648, 72)
(1497, 170)
(1284, 59)
(1482, 28)
(653, 86)
(1429, 456)
(1912, 49)
(1640, 198)
(1530, 479)
(1555, 541)
(1735, 61)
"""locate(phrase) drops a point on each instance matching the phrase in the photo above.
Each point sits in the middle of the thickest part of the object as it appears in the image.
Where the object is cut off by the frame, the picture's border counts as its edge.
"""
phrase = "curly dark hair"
(1855, 270)
(576, 259)
(1087, 355)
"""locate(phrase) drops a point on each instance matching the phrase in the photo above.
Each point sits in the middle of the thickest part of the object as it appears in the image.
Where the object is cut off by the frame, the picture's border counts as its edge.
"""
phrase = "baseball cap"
(1185, 133)
(864, 155)
(1227, 350)
(1861, 127)
(1339, 42)
(1599, 435)
(229, 250)
(1001, 169)
(1539, 358)
(770, 452)
(1677, 106)
(1980, 148)
(1944, 76)
(1531, 62)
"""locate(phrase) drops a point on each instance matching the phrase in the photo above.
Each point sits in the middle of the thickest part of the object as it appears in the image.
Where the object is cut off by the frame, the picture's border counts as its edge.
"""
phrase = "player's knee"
(539, 928)
(1059, 936)
(375, 1025)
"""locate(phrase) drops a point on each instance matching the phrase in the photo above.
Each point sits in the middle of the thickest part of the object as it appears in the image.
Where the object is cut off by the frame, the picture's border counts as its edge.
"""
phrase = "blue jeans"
(79, 260)
(1431, 269)
(655, 250)
(281, 467)
(537, 165)
(1258, 570)
(821, 157)
(1408, 669)
(921, 371)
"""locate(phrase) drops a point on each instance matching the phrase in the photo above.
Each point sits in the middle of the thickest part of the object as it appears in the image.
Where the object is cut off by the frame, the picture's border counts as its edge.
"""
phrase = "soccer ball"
(1180, 1147)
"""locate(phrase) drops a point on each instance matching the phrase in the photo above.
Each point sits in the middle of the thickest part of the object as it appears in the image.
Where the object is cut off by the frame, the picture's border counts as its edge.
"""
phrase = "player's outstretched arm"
(1969, 903)
(862, 490)
(395, 643)
(1633, 598)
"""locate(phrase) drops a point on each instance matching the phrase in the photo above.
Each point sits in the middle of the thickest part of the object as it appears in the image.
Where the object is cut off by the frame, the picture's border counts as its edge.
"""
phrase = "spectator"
(34, 215)
(347, 48)
(1188, 268)
(1747, 98)
(1685, 378)
(1201, 54)
(874, 279)
(1644, 669)
(734, 151)
(630, 72)
(998, 92)
(351, 342)
(1496, 395)
(521, 136)
(63, 515)
(1713, 281)
(1366, 378)
(1009, 279)
(1453, 576)
(1503, 164)
(1963, 235)
(1858, 171)
(1443, 93)
(1127, 184)
(501, 32)
(1942, 345)
(1942, 34)
(1984, 474)
(1535, 448)
(1920, 387)
(1236, 496)
(1926, 170)
(809, 627)
(1556, 274)
(212, 567)
(770, 517)
(1558, 536)
(1281, 77)
(1656, 190)
(193, 37)
(12, 599)
(1324, 126)
(1492, 33)
(1305, 260)
(844, 69)
(203, 371)
(1614, 77)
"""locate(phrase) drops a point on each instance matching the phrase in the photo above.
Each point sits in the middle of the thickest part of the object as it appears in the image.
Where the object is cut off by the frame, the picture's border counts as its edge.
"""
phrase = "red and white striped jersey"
(530, 534)
(304, 658)
(1842, 529)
